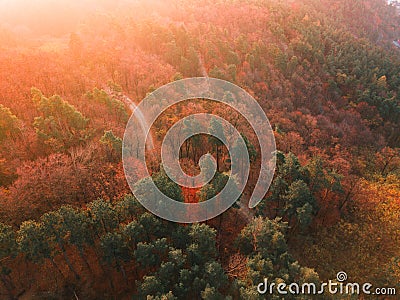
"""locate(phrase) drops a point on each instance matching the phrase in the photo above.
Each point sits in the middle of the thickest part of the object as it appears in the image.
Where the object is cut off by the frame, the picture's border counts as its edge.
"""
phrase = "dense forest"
(327, 76)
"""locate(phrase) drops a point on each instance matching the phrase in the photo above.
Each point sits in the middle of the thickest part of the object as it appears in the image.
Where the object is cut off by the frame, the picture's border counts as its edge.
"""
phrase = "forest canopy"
(325, 72)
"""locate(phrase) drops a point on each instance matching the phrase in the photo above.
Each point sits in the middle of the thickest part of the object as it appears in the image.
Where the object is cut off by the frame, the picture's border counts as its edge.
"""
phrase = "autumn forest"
(325, 72)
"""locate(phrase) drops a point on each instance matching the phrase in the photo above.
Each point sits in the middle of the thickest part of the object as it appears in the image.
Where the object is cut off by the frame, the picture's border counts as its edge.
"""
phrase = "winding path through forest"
(243, 208)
